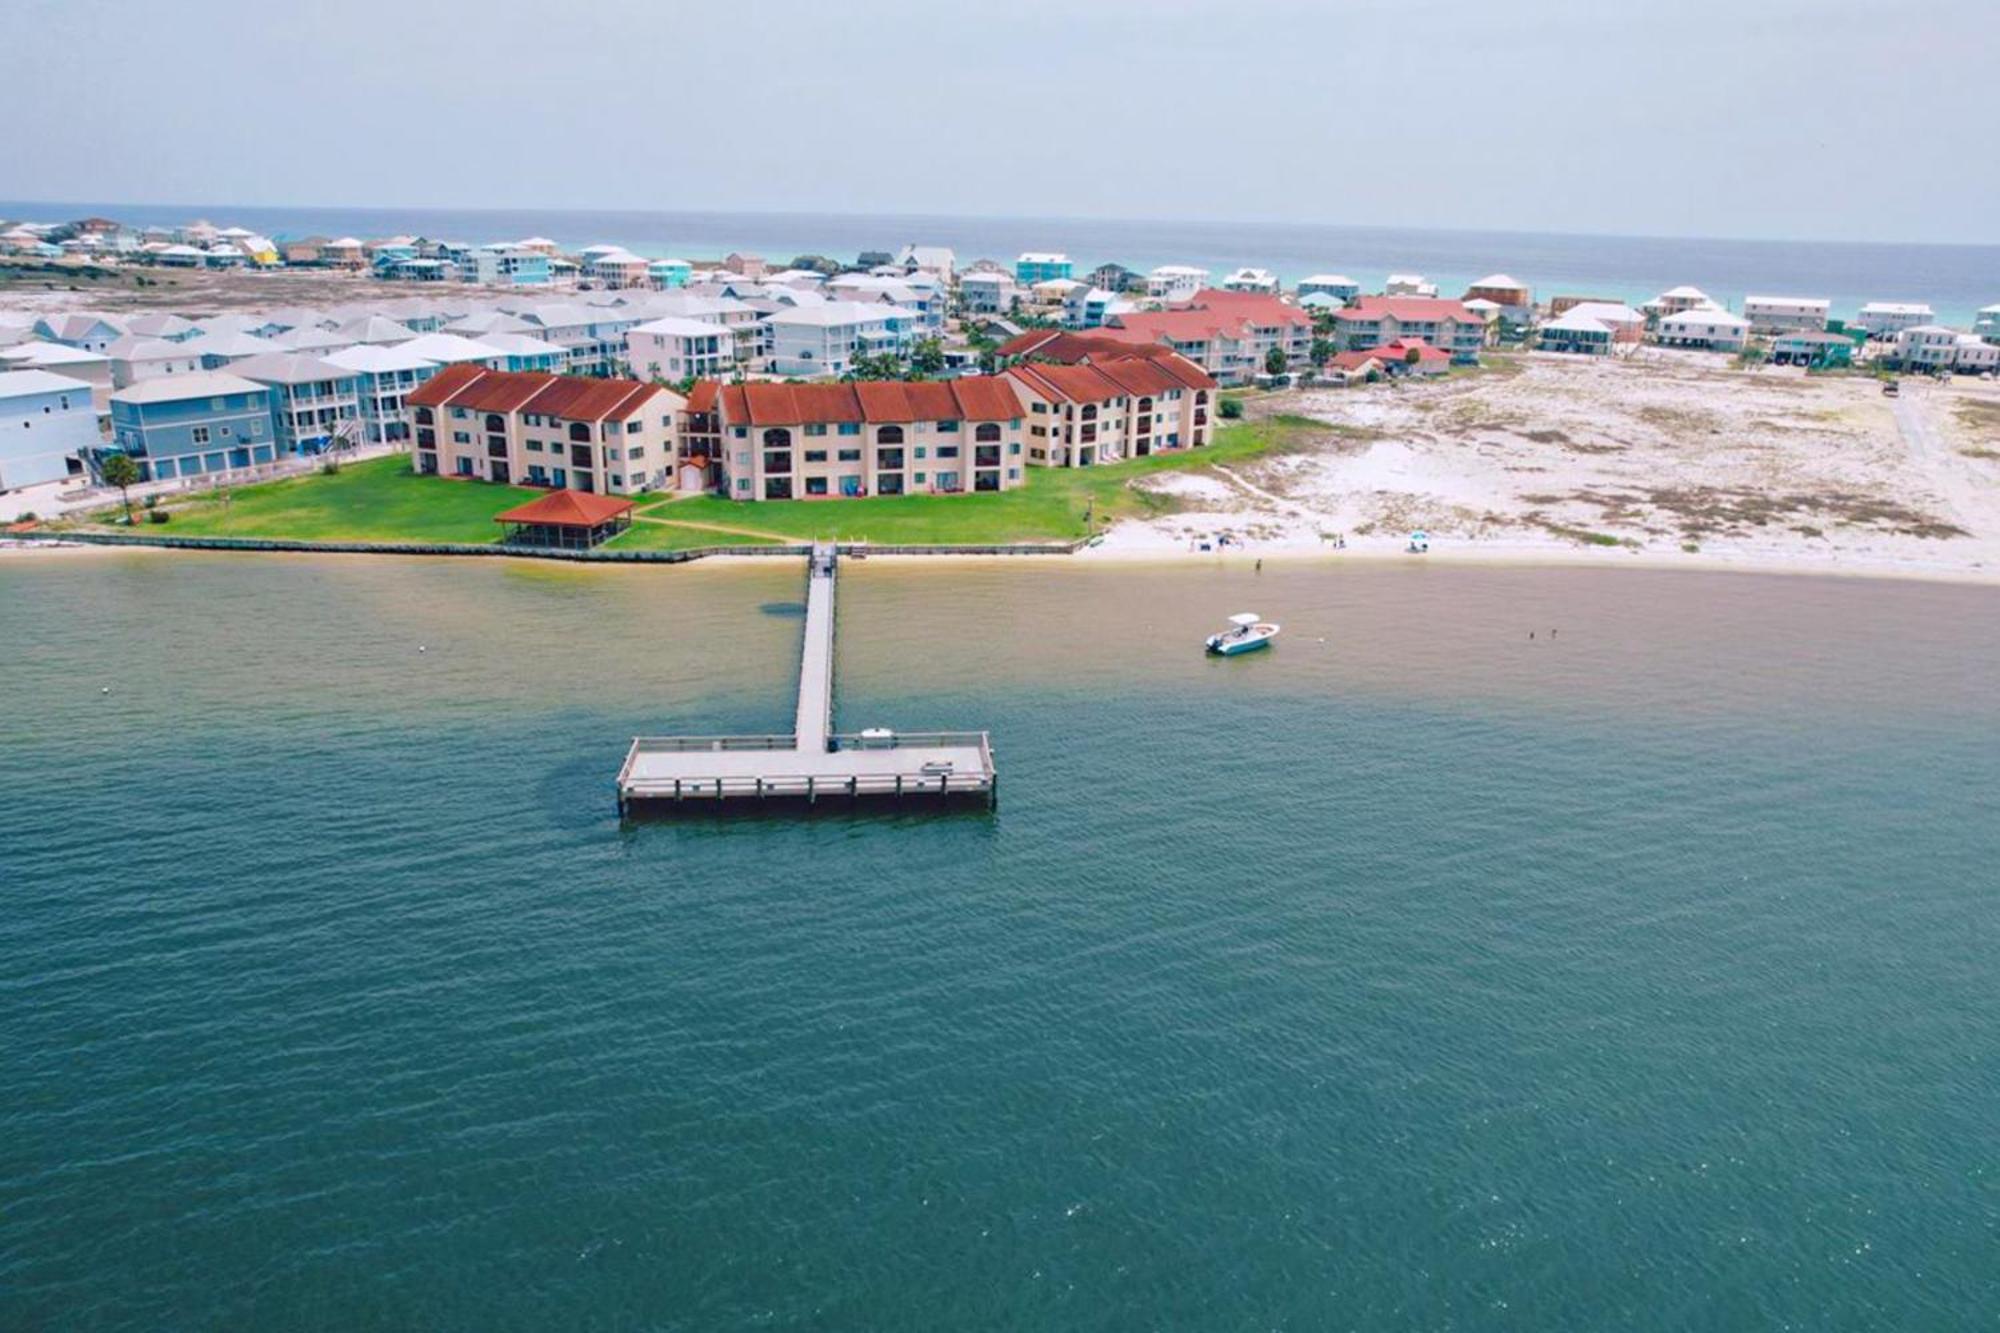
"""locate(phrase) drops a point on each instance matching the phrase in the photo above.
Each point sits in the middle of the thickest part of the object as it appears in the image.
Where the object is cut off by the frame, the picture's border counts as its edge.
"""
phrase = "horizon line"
(1006, 217)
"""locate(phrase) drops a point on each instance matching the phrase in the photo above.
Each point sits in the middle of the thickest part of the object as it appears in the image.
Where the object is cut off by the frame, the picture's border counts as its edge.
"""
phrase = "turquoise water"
(1955, 279)
(1431, 976)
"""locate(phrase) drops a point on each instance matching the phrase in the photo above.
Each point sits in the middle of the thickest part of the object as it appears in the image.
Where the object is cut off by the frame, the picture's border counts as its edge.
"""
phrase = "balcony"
(986, 455)
(778, 464)
(496, 446)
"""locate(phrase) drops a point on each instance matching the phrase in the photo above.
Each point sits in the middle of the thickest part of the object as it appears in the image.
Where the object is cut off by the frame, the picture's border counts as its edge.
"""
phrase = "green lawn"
(1050, 506)
(383, 500)
(380, 500)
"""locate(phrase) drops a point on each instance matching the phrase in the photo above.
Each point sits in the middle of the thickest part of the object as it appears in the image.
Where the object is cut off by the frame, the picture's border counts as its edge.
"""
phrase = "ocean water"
(1416, 974)
(1955, 279)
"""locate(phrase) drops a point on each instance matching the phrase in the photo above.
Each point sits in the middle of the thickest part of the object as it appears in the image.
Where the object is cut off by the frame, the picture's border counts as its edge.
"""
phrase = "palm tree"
(119, 470)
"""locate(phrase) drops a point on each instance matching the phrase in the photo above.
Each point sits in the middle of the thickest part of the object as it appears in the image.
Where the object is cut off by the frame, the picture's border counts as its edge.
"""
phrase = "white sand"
(1549, 456)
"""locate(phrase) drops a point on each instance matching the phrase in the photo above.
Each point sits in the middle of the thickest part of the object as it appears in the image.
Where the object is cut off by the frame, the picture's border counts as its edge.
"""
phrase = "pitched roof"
(975, 398)
(567, 509)
(20, 383)
(179, 388)
(570, 396)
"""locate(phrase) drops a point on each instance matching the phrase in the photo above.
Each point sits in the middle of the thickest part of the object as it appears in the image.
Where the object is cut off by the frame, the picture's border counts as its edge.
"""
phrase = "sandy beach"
(1667, 459)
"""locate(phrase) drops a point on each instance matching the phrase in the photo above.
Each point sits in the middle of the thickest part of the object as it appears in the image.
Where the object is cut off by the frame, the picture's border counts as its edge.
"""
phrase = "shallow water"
(1427, 976)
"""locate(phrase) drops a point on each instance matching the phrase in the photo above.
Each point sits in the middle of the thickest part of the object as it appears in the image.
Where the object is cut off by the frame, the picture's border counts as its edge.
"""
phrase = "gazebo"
(576, 520)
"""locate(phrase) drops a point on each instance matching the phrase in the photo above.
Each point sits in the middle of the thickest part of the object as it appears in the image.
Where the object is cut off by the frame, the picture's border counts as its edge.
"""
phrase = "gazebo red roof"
(567, 509)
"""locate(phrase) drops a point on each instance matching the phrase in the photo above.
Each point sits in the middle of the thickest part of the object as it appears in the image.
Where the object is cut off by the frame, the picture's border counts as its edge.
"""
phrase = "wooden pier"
(814, 763)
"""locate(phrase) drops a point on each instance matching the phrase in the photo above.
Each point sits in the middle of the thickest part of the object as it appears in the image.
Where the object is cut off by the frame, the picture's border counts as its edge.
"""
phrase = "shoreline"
(1480, 555)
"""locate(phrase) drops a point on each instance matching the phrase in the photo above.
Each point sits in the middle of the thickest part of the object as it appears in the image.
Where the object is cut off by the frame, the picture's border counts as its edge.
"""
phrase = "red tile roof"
(1405, 310)
(1402, 347)
(575, 397)
(567, 509)
(701, 397)
(976, 398)
(1353, 360)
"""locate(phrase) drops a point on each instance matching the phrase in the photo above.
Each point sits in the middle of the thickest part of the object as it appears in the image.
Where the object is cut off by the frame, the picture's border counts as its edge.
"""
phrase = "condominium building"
(1373, 321)
(1113, 407)
(613, 437)
(1786, 314)
(868, 437)
(1175, 282)
(1228, 334)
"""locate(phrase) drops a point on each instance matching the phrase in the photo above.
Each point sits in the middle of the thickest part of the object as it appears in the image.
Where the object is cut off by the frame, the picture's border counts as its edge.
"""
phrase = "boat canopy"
(1244, 618)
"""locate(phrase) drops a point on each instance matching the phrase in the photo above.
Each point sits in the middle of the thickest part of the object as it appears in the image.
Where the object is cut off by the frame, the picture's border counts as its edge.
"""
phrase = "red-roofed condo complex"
(612, 437)
(1113, 408)
(868, 437)
(1373, 321)
(1227, 334)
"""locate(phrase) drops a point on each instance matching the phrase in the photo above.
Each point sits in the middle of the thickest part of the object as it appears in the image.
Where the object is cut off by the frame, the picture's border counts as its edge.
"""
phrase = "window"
(815, 485)
(850, 428)
(850, 455)
(636, 451)
(946, 451)
(815, 455)
(920, 479)
(986, 432)
(580, 431)
(1015, 448)
(201, 435)
(923, 451)
(815, 428)
(743, 483)
(534, 446)
(947, 426)
(460, 437)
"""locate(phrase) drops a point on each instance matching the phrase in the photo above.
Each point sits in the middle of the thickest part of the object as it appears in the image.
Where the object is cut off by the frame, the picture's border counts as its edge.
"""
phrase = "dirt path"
(717, 527)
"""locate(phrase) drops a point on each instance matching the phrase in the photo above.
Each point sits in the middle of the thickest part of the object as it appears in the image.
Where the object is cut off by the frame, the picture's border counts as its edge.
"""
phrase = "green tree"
(1230, 408)
(927, 357)
(816, 264)
(876, 366)
(119, 470)
(1411, 357)
(1322, 351)
(1275, 361)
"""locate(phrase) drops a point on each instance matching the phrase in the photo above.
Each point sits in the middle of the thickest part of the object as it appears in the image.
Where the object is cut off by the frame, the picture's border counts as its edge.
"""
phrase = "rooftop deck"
(812, 763)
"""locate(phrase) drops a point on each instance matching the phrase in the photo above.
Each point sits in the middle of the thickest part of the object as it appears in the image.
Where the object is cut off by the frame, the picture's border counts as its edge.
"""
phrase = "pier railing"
(597, 555)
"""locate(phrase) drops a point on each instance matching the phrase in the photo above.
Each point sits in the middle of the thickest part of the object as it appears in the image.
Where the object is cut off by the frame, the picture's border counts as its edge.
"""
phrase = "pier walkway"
(813, 763)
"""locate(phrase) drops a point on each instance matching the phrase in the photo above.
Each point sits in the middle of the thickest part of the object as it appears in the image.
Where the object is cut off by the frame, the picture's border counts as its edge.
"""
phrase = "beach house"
(673, 348)
(1786, 314)
(384, 378)
(1676, 299)
(1816, 349)
(192, 425)
(1175, 282)
(504, 266)
(607, 436)
(1409, 284)
(83, 329)
(134, 359)
(667, 274)
(344, 252)
(1375, 320)
(1336, 285)
(1109, 407)
(1575, 332)
(1087, 307)
(1973, 355)
(1515, 302)
(1885, 319)
(313, 401)
(617, 269)
(1035, 266)
(988, 293)
(45, 421)
(1259, 280)
(868, 437)
(1709, 327)
(919, 292)
(74, 363)
(821, 341)
(937, 260)
(1626, 324)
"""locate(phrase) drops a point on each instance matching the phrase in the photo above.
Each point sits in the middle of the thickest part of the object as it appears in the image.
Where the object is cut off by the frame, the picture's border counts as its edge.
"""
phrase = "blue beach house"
(312, 399)
(192, 425)
(505, 266)
(45, 420)
(669, 273)
(1039, 266)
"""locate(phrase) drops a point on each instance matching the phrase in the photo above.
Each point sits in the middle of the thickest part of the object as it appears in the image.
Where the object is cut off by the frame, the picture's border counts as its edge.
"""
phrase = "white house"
(1884, 319)
(1259, 280)
(1575, 333)
(1975, 355)
(1786, 314)
(1409, 284)
(45, 420)
(1676, 299)
(1709, 327)
(1175, 282)
(988, 293)
(673, 348)
(134, 359)
(823, 340)
(1987, 325)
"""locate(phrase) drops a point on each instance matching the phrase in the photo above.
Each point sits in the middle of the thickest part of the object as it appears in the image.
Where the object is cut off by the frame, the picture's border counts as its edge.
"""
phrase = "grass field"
(382, 500)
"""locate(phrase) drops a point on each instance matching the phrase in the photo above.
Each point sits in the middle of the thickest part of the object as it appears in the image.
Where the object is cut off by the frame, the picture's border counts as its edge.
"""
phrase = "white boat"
(1246, 634)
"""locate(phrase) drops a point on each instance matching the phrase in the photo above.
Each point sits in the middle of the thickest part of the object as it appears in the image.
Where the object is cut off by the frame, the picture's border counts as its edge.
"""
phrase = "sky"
(1809, 119)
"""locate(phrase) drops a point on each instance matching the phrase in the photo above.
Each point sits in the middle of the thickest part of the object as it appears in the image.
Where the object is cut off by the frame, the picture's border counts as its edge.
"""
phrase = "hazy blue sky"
(1843, 119)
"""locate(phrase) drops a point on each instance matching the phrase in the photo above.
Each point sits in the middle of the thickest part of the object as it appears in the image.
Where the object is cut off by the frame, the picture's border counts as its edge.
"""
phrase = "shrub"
(156, 515)
(1230, 409)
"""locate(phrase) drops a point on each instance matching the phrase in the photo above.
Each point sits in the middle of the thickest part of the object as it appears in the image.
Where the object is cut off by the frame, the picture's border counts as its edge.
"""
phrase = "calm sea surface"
(1955, 279)
(1415, 975)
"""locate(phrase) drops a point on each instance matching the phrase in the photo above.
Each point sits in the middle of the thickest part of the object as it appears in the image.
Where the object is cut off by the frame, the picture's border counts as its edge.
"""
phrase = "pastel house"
(134, 359)
(673, 348)
(384, 377)
(1337, 285)
(45, 420)
(669, 273)
(823, 340)
(1575, 332)
(1042, 266)
(1784, 314)
(193, 425)
(1709, 327)
(312, 400)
